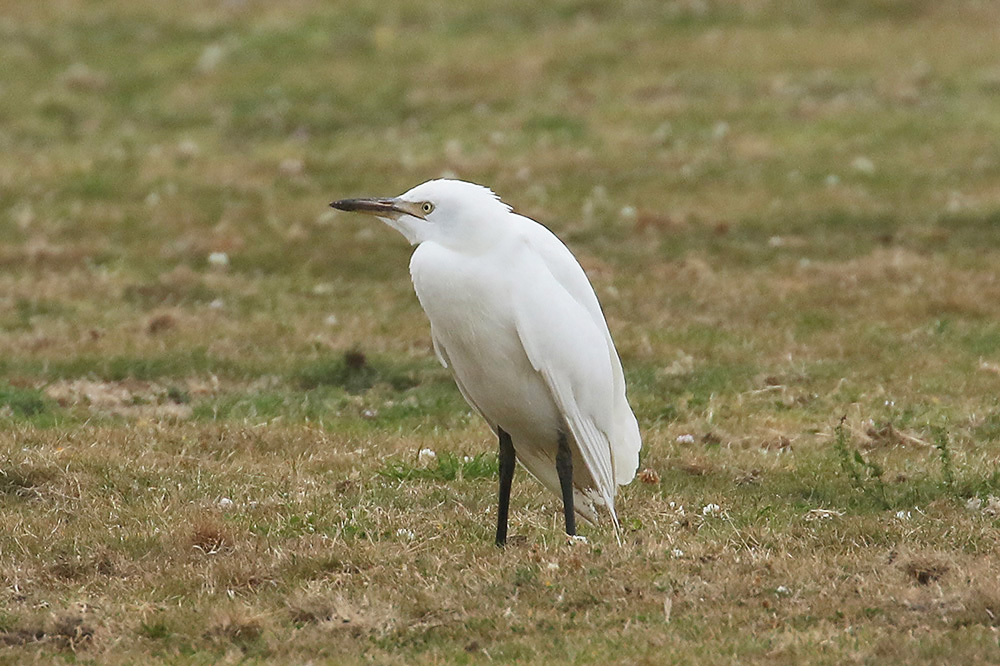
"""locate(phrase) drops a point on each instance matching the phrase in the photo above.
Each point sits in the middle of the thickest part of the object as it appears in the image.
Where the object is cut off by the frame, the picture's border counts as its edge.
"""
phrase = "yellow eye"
(427, 207)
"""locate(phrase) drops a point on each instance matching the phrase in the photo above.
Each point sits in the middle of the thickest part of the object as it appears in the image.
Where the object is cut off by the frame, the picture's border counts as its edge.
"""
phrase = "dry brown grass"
(180, 567)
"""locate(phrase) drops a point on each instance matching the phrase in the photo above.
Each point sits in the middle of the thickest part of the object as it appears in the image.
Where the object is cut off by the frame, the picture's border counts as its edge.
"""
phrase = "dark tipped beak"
(384, 207)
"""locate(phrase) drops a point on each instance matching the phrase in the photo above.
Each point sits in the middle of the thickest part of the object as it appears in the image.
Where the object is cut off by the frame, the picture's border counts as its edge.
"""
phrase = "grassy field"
(214, 389)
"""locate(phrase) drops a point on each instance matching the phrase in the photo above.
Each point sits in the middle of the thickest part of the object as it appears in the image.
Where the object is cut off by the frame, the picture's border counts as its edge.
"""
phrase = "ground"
(215, 391)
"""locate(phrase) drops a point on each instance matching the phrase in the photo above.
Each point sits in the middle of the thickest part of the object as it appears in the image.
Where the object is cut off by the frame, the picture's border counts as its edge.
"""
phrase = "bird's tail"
(596, 498)
(614, 523)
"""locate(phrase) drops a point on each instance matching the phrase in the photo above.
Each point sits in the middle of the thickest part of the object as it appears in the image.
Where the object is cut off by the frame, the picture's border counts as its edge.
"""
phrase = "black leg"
(564, 467)
(506, 476)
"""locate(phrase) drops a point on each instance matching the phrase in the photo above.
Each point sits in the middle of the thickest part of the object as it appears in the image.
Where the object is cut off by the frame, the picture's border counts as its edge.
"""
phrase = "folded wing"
(566, 339)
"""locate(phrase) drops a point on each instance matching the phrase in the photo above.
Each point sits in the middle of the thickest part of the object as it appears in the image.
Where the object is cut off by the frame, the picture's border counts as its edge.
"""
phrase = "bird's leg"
(507, 459)
(564, 467)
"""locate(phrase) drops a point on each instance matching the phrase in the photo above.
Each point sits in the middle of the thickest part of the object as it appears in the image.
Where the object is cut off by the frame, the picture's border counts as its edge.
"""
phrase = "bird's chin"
(406, 225)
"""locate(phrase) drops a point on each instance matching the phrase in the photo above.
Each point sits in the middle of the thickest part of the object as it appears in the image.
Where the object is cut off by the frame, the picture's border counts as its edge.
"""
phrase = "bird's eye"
(427, 207)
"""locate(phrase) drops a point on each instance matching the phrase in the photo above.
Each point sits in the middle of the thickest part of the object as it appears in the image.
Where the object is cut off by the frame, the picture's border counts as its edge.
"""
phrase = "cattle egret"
(516, 320)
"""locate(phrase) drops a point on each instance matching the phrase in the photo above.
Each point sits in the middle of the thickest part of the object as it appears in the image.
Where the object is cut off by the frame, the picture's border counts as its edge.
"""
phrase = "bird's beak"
(391, 208)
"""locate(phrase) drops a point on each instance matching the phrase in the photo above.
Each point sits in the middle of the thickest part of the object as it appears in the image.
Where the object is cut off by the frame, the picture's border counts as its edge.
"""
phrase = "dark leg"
(564, 467)
(506, 476)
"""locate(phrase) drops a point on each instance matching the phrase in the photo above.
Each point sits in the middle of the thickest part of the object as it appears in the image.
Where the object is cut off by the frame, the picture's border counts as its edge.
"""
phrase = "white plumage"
(515, 318)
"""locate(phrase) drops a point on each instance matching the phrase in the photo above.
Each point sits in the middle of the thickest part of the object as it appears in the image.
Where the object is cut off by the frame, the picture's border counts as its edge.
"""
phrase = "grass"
(788, 210)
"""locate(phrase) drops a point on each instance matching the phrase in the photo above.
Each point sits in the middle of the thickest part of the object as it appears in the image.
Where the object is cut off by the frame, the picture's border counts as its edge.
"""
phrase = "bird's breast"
(472, 319)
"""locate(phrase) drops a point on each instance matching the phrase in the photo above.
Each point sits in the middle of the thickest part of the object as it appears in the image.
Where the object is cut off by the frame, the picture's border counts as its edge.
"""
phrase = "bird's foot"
(576, 540)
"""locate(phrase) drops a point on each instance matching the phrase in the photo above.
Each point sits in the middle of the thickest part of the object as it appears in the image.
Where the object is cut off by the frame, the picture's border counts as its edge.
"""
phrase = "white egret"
(516, 320)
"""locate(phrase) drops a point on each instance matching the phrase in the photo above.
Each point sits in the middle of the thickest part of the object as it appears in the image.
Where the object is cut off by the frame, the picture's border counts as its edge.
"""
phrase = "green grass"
(788, 210)
(446, 467)
(22, 402)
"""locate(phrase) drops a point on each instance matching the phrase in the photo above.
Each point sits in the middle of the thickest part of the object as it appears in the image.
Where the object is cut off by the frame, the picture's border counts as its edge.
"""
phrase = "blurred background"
(223, 432)
(754, 187)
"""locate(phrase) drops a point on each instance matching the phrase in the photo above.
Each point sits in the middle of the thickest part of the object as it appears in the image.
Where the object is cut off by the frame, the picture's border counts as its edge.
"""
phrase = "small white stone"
(217, 304)
(291, 166)
(710, 509)
(82, 77)
(331, 320)
(453, 148)
(783, 591)
(225, 503)
(405, 534)
(210, 58)
(862, 164)
(677, 552)
(326, 217)
(218, 259)
(685, 439)
(188, 149)
(426, 456)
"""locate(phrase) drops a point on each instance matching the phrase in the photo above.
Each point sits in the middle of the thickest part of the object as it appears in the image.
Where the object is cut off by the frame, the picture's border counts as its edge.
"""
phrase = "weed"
(944, 453)
(865, 475)
(22, 403)
(925, 570)
(178, 395)
(526, 575)
(155, 630)
(240, 626)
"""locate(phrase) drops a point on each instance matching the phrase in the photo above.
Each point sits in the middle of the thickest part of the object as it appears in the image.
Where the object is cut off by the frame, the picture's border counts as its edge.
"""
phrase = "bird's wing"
(567, 348)
(439, 351)
(563, 266)
(442, 355)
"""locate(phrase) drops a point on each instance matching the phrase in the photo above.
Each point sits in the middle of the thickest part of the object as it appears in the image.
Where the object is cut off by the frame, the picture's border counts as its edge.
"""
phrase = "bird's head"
(447, 211)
